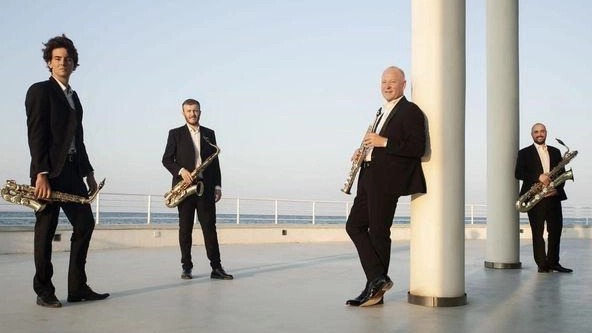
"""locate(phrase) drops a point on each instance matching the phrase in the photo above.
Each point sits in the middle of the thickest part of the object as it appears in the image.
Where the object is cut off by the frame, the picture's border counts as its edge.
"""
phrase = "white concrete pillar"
(437, 218)
(502, 134)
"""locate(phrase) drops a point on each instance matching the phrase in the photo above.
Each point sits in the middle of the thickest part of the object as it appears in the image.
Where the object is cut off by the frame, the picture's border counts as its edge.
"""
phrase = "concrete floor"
(294, 288)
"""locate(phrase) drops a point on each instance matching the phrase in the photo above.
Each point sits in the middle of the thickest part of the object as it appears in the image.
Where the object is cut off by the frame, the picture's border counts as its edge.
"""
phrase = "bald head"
(539, 133)
(393, 83)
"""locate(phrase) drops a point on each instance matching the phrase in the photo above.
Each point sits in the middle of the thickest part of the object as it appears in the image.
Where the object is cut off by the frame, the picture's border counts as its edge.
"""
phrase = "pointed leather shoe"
(220, 274)
(358, 300)
(560, 269)
(86, 294)
(377, 288)
(543, 269)
(50, 301)
(186, 275)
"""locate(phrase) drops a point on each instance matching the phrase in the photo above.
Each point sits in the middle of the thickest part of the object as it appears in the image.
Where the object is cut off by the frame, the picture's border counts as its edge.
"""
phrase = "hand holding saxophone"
(42, 187)
(545, 179)
(374, 140)
(187, 178)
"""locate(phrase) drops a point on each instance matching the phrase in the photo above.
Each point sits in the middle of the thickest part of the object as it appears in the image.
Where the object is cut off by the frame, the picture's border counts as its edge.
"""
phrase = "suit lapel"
(391, 115)
(536, 158)
(58, 89)
(187, 140)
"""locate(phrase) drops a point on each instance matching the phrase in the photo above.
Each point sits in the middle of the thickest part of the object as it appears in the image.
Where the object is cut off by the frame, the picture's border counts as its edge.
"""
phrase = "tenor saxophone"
(25, 195)
(182, 190)
(538, 191)
(357, 162)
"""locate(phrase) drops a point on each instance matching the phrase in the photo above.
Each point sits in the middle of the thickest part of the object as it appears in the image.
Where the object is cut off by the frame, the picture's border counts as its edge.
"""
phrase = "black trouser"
(206, 214)
(369, 225)
(83, 223)
(548, 209)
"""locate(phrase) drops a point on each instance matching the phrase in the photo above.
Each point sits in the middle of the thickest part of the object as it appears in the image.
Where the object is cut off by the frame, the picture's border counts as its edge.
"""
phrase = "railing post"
(148, 218)
(98, 208)
(276, 212)
(346, 209)
(313, 211)
(237, 210)
(472, 214)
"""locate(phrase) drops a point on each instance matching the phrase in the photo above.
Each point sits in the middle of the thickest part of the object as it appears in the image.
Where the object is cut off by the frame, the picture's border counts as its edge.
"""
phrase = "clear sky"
(288, 86)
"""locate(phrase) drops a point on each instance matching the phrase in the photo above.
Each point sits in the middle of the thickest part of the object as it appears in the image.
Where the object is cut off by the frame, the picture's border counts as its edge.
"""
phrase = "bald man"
(533, 165)
(391, 169)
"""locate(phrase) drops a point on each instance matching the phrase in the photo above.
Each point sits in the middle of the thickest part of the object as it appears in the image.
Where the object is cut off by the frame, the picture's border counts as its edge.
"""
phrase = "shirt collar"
(66, 89)
(538, 147)
(191, 130)
(388, 106)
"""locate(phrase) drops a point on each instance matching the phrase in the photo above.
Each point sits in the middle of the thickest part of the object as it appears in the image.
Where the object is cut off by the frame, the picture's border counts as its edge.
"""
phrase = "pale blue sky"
(288, 86)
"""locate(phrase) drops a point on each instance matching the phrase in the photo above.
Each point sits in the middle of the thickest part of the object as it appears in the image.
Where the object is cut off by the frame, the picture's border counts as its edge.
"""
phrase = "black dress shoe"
(186, 275)
(543, 269)
(86, 294)
(377, 288)
(358, 300)
(560, 269)
(50, 301)
(220, 274)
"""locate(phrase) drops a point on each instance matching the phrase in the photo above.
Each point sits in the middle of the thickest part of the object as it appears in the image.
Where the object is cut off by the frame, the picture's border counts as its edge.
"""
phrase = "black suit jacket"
(179, 153)
(398, 165)
(52, 124)
(529, 167)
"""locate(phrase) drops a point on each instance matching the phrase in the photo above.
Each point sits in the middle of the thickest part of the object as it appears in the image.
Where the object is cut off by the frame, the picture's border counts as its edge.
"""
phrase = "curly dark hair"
(59, 42)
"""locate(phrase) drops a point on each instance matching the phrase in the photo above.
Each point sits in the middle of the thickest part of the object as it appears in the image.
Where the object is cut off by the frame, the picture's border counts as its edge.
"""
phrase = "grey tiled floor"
(295, 288)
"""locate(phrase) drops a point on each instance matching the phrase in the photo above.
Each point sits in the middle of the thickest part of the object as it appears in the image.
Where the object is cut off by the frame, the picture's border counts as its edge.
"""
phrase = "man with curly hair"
(59, 162)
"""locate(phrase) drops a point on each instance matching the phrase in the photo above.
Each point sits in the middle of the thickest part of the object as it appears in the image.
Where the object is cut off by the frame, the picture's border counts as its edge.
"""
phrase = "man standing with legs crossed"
(391, 168)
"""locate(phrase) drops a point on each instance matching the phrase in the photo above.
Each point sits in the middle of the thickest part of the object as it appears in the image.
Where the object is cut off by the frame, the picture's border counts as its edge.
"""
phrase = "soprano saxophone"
(538, 191)
(25, 195)
(182, 190)
(357, 163)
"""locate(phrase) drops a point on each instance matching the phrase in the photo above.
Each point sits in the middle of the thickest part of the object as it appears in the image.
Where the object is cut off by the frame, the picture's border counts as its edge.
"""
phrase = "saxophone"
(25, 195)
(182, 190)
(538, 191)
(357, 163)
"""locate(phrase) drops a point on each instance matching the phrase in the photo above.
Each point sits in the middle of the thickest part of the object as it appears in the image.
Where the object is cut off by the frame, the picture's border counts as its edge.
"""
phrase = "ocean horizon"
(16, 218)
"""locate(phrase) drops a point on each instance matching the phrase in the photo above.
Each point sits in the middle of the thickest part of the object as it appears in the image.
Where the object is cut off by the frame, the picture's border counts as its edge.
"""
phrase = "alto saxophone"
(25, 195)
(357, 163)
(182, 190)
(538, 191)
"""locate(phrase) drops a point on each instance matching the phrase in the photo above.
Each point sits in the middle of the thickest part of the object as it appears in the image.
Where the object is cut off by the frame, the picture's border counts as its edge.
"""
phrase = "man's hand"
(544, 178)
(217, 195)
(374, 140)
(186, 175)
(42, 187)
(356, 156)
(92, 183)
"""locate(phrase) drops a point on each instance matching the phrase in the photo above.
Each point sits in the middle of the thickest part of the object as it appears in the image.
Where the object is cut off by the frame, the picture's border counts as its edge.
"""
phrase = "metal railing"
(125, 208)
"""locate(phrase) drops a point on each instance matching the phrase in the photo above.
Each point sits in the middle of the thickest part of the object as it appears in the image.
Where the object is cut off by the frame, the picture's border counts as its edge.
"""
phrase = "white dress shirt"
(386, 110)
(195, 137)
(544, 155)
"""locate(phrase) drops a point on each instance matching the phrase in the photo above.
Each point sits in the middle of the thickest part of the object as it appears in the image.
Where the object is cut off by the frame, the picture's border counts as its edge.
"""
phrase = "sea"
(27, 218)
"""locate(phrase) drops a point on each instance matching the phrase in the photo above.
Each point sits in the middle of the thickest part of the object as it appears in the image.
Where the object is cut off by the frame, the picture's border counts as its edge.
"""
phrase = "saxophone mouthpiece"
(561, 143)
